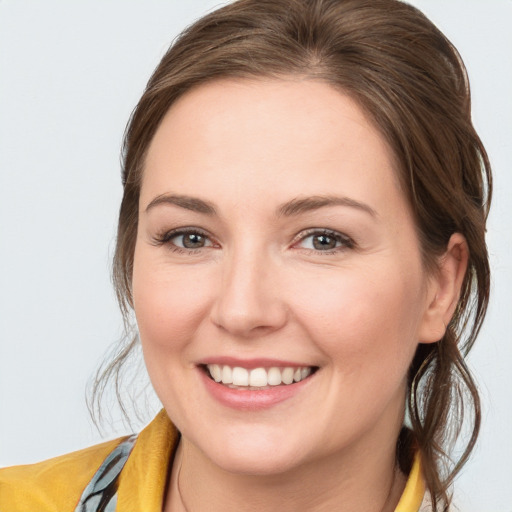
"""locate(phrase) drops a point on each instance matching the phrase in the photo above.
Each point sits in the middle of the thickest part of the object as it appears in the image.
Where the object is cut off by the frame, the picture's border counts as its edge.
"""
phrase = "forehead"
(288, 137)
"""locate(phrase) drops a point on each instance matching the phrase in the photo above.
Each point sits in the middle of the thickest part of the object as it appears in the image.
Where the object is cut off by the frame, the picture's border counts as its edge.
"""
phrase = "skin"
(260, 288)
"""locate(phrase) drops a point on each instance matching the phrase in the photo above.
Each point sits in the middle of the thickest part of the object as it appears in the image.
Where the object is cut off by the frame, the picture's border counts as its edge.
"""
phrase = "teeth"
(240, 376)
(216, 372)
(274, 377)
(287, 376)
(258, 377)
(227, 375)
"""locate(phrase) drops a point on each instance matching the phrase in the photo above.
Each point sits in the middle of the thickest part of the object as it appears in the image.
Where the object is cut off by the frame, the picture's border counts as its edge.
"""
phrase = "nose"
(250, 301)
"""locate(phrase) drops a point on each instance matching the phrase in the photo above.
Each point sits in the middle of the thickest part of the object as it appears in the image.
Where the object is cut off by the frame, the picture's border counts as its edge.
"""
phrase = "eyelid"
(346, 241)
(164, 237)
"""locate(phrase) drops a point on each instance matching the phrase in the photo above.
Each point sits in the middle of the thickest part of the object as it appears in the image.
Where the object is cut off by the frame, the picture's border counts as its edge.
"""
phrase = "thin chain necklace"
(179, 490)
(390, 493)
(382, 510)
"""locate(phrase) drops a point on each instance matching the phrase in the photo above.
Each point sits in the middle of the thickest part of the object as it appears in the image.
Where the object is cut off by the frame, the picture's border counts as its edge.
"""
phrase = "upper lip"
(258, 362)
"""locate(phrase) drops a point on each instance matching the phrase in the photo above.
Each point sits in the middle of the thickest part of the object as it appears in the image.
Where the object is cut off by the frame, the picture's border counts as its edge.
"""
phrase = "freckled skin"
(259, 290)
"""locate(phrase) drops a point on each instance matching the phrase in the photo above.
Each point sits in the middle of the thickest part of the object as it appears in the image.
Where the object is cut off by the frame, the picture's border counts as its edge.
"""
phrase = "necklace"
(391, 488)
(179, 490)
(388, 497)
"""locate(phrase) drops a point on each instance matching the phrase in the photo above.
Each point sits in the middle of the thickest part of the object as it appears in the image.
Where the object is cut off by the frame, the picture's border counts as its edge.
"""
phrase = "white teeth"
(287, 376)
(240, 376)
(216, 372)
(227, 375)
(274, 377)
(257, 377)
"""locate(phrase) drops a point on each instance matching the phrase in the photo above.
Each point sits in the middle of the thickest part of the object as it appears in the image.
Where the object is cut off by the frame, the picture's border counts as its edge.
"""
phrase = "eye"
(190, 240)
(184, 240)
(324, 241)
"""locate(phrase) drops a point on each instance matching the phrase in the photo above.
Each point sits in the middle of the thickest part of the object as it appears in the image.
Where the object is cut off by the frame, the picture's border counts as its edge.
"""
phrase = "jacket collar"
(144, 477)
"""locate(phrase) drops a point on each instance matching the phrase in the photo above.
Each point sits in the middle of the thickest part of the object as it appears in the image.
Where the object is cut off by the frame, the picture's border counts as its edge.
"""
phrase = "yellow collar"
(414, 491)
(144, 477)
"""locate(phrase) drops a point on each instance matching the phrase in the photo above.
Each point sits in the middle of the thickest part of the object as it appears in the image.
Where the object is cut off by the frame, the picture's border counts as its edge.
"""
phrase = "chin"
(254, 453)
(262, 463)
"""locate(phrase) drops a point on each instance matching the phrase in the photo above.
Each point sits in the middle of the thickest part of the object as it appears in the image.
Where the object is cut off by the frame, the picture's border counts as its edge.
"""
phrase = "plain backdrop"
(70, 74)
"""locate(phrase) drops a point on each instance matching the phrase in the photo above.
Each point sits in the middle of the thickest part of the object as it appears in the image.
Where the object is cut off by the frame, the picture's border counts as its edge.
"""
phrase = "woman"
(301, 238)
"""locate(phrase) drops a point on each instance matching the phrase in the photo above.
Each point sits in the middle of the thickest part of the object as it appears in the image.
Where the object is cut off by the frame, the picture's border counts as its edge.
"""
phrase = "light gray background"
(70, 74)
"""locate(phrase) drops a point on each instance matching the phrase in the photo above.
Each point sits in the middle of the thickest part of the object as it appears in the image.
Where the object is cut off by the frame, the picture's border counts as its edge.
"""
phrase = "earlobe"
(444, 289)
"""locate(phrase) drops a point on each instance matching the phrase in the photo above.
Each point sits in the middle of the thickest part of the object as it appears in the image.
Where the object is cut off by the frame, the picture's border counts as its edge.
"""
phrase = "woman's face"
(275, 244)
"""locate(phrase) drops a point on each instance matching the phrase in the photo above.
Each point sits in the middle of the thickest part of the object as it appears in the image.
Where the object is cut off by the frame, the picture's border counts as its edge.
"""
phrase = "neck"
(343, 482)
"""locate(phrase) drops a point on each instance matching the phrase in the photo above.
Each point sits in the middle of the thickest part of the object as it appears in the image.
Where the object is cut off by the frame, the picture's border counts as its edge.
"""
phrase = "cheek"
(361, 319)
(168, 303)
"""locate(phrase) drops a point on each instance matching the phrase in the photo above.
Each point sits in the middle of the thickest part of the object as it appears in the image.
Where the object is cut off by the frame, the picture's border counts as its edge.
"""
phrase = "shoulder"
(54, 485)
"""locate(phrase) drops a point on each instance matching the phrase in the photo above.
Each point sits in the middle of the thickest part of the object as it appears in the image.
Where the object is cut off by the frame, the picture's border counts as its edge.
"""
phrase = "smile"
(257, 378)
(253, 385)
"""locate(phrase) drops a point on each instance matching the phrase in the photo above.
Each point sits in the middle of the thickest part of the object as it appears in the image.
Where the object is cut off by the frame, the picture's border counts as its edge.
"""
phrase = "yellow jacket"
(57, 485)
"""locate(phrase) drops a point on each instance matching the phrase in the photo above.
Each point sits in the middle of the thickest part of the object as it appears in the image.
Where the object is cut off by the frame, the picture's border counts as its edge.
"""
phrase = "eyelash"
(166, 237)
(344, 241)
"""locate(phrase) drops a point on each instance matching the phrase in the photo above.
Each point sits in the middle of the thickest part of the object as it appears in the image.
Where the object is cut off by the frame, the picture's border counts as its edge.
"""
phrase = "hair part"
(411, 82)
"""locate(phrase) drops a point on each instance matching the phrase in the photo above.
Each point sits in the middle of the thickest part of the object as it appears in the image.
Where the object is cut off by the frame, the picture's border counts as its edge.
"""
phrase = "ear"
(444, 289)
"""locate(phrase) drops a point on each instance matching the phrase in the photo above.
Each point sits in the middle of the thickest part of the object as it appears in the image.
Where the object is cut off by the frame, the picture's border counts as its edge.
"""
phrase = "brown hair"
(412, 83)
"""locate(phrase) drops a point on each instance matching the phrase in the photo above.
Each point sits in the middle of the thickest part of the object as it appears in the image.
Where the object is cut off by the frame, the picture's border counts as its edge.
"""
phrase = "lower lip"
(249, 399)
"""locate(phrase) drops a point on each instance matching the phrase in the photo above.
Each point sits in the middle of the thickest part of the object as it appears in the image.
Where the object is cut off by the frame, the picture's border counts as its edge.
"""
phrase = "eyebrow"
(307, 204)
(189, 203)
(291, 208)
